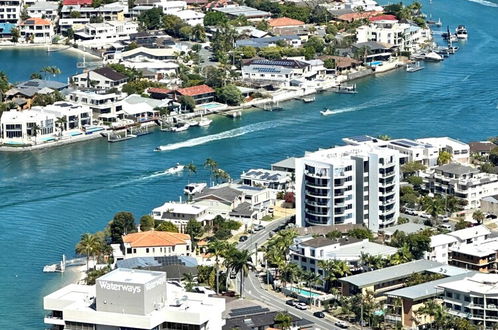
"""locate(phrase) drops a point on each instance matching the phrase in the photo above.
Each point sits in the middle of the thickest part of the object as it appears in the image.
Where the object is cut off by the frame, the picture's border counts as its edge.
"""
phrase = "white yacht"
(461, 32)
(175, 169)
(180, 127)
(326, 112)
(194, 188)
(414, 67)
(433, 57)
(205, 122)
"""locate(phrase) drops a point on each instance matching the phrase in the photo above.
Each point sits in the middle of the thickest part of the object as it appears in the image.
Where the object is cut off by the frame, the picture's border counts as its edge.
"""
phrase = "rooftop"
(77, 2)
(481, 249)
(110, 73)
(155, 238)
(235, 10)
(284, 62)
(44, 5)
(195, 90)
(266, 175)
(408, 228)
(36, 21)
(319, 242)
(390, 273)
(456, 169)
(182, 208)
(383, 18)
(349, 17)
(442, 239)
(471, 232)
(134, 276)
(289, 163)
(354, 248)
(481, 146)
(225, 193)
(478, 283)
(284, 21)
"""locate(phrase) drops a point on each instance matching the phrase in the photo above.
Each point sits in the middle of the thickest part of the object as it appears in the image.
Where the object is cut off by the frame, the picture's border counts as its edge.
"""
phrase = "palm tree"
(310, 279)
(61, 122)
(371, 261)
(240, 262)
(434, 310)
(478, 216)
(218, 248)
(212, 165)
(384, 137)
(189, 279)
(221, 175)
(432, 206)
(191, 168)
(289, 273)
(283, 321)
(444, 158)
(89, 245)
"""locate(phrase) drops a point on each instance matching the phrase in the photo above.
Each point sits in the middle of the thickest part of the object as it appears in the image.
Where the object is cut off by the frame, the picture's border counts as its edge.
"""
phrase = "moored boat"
(461, 32)
(308, 99)
(433, 57)
(180, 127)
(346, 89)
(194, 188)
(414, 67)
(205, 122)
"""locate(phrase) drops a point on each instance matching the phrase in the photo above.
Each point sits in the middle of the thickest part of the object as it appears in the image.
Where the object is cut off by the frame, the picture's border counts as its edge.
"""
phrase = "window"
(466, 298)
(128, 250)
(146, 250)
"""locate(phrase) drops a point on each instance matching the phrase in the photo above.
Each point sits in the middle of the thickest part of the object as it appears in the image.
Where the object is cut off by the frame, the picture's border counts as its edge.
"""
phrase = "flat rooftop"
(134, 276)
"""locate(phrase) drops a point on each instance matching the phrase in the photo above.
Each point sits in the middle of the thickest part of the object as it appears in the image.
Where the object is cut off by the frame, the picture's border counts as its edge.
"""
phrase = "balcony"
(317, 193)
(317, 213)
(317, 175)
(50, 319)
(314, 203)
(317, 186)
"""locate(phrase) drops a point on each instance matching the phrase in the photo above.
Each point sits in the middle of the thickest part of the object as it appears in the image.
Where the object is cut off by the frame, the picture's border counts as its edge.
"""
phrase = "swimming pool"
(208, 106)
(47, 138)
(375, 63)
(74, 133)
(304, 293)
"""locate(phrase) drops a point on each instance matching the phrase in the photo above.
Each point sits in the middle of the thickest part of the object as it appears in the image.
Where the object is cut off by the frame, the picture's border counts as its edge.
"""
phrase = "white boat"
(433, 57)
(193, 123)
(461, 32)
(452, 49)
(180, 127)
(414, 67)
(205, 122)
(120, 136)
(308, 99)
(346, 89)
(175, 169)
(194, 188)
(439, 23)
(326, 112)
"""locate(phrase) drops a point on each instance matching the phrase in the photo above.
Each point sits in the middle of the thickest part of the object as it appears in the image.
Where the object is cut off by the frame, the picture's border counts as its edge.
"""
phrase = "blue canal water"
(50, 197)
(19, 64)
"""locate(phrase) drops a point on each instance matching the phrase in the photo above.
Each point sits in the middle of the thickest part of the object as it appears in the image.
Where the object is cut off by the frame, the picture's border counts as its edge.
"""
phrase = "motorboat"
(433, 57)
(452, 49)
(346, 89)
(461, 32)
(326, 112)
(180, 127)
(439, 23)
(194, 188)
(205, 122)
(119, 136)
(308, 99)
(443, 51)
(414, 67)
(193, 123)
(175, 169)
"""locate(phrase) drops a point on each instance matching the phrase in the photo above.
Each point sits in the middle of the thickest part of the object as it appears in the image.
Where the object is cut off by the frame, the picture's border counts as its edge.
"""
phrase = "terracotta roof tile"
(383, 18)
(158, 90)
(355, 16)
(36, 21)
(195, 90)
(284, 21)
(76, 2)
(155, 238)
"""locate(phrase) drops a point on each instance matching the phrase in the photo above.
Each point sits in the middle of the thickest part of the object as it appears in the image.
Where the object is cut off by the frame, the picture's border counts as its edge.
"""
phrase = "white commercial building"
(132, 299)
(10, 11)
(464, 182)
(348, 185)
(180, 214)
(156, 244)
(474, 298)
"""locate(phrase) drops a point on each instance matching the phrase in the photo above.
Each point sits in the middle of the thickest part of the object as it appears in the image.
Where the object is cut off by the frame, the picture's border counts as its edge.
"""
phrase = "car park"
(320, 315)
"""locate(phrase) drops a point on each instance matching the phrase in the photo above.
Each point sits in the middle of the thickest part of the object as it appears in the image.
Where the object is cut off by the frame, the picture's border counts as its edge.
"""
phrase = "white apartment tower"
(348, 184)
(10, 11)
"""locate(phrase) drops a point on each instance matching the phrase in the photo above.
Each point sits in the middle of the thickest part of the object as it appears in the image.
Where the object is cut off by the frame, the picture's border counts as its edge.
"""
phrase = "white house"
(156, 244)
(140, 108)
(180, 214)
(72, 23)
(103, 34)
(460, 152)
(102, 78)
(43, 9)
(100, 103)
(276, 180)
(257, 202)
(190, 17)
(275, 72)
(10, 11)
(37, 30)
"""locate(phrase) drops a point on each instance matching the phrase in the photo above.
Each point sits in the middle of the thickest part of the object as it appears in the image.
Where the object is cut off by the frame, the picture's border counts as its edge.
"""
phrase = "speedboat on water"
(326, 112)
(461, 32)
(433, 57)
(175, 169)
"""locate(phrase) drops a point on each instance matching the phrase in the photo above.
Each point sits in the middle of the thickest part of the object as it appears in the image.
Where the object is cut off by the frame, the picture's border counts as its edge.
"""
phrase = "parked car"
(243, 238)
(446, 226)
(320, 315)
(491, 216)
(341, 324)
(302, 306)
(258, 227)
(291, 302)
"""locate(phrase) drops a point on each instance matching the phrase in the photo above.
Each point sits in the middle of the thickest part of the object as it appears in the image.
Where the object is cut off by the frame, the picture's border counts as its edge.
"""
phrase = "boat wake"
(485, 3)
(220, 136)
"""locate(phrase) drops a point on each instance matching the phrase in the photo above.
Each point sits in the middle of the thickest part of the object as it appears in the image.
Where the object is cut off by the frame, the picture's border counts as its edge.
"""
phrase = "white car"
(301, 306)
(341, 324)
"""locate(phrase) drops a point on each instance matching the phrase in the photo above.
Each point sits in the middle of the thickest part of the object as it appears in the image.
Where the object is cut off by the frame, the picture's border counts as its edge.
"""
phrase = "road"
(253, 287)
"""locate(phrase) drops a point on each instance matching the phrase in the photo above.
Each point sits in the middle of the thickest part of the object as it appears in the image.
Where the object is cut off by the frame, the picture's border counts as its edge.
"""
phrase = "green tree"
(187, 102)
(16, 34)
(433, 206)
(384, 137)
(75, 14)
(123, 223)
(185, 32)
(199, 33)
(332, 270)
(444, 158)
(329, 63)
(188, 278)
(412, 168)
(360, 233)
(215, 18)
(240, 262)
(151, 19)
(247, 51)
(229, 94)
(263, 25)
(215, 77)
(146, 223)
(70, 34)
(172, 24)
(4, 82)
(218, 248)
(53, 70)
(61, 122)
(167, 226)
(194, 229)
(283, 321)
(436, 311)
(89, 246)
(415, 181)
(461, 224)
(334, 234)
(478, 216)
(211, 165)
(132, 45)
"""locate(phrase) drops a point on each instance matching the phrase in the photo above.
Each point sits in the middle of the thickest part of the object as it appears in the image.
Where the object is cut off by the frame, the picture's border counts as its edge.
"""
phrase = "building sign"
(120, 287)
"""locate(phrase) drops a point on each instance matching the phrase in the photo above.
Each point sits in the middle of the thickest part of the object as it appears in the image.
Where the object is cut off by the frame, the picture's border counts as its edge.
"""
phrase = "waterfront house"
(276, 180)
(459, 151)
(234, 11)
(100, 103)
(98, 35)
(156, 244)
(43, 9)
(464, 182)
(180, 214)
(23, 93)
(115, 11)
(286, 26)
(307, 251)
(277, 73)
(132, 298)
(257, 203)
(342, 63)
(11, 11)
(142, 109)
(200, 93)
(143, 53)
(103, 78)
(37, 30)
(219, 200)
(75, 24)
(291, 40)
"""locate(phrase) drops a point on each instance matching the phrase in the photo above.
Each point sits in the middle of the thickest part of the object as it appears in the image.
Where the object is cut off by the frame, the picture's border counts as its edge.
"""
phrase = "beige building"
(156, 244)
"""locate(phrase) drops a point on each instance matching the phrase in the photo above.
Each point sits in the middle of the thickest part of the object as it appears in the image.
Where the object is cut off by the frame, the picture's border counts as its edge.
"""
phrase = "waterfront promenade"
(52, 196)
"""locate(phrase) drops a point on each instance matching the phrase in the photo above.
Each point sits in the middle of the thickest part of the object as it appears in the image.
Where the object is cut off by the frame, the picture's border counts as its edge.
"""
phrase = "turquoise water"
(19, 64)
(50, 197)
(305, 293)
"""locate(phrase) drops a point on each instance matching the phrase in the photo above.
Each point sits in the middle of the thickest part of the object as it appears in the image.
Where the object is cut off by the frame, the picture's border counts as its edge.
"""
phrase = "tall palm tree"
(283, 321)
(289, 273)
(310, 279)
(189, 279)
(240, 262)
(89, 245)
(61, 122)
(212, 165)
(432, 206)
(218, 248)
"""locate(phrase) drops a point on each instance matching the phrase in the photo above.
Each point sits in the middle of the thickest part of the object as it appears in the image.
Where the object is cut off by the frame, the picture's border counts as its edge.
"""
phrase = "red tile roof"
(36, 21)
(77, 2)
(155, 238)
(355, 16)
(284, 21)
(195, 90)
(158, 90)
(383, 18)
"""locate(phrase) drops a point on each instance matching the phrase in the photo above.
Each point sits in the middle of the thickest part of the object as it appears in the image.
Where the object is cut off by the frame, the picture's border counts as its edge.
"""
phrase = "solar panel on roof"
(32, 84)
(248, 310)
(405, 143)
